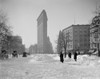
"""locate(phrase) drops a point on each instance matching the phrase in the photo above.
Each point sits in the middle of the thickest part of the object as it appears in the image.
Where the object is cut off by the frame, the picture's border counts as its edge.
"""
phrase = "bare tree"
(59, 43)
(15, 43)
(65, 40)
(4, 30)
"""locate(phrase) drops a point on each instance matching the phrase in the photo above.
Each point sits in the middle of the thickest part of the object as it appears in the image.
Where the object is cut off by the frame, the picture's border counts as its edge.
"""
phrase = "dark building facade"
(79, 37)
(95, 33)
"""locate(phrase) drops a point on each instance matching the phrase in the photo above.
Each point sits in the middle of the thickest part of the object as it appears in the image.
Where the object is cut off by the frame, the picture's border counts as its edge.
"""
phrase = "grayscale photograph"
(49, 39)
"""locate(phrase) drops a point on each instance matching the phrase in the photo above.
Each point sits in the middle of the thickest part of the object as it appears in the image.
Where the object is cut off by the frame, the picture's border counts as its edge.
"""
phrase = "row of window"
(93, 45)
(81, 31)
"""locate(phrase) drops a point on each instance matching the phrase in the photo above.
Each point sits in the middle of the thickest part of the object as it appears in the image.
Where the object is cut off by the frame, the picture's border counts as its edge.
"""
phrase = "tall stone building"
(78, 36)
(42, 38)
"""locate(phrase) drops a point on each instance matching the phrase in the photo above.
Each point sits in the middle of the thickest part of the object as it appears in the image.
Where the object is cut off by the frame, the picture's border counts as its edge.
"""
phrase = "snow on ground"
(47, 66)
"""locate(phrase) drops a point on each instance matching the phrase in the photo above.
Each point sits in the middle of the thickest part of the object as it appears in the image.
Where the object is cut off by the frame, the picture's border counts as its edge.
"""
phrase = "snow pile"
(90, 78)
(34, 58)
(44, 57)
(98, 61)
(32, 61)
(41, 58)
(88, 60)
(82, 57)
(19, 69)
(32, 55)
(84, 60)
(56, 57)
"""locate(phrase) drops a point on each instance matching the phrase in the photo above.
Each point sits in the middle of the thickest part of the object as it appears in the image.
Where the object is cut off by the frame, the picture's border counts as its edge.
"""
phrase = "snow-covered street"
(49, 67)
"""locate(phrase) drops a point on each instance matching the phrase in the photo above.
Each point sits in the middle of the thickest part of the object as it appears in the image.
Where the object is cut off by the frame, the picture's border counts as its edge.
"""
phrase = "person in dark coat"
(75, 56)
(14, 54)
(24, 54)
(69, 54)
(4, 54)
(61, 57)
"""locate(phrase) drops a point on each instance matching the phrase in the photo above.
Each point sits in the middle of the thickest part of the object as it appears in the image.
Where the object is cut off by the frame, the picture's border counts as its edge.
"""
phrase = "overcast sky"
(23, 16)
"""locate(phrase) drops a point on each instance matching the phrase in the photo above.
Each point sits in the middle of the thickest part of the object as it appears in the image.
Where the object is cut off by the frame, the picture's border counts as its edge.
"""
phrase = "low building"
(78, 37)
(33, 49)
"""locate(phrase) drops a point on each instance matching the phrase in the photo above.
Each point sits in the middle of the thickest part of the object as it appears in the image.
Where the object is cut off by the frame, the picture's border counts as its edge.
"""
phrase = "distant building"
(78, 36)
(43, 43)
(95, 33)
(33, 49)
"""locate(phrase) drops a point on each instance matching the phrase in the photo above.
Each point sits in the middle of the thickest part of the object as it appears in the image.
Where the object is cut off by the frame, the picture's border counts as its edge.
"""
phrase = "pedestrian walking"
(4, 54)
(14, 54)
(75, 56)
(61, 57)
(69, 54)
(24, 54)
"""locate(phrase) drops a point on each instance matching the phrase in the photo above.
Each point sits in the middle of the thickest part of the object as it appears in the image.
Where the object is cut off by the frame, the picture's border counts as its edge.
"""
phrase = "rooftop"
(44, 14)
(76, 25)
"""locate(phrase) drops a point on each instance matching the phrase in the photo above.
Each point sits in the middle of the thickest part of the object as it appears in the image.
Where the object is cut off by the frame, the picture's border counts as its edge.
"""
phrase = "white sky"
(23, 16)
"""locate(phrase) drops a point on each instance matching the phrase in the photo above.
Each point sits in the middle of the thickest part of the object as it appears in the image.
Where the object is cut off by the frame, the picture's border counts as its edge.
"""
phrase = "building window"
(95, 39)
(94, 44)
(91, 35)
